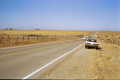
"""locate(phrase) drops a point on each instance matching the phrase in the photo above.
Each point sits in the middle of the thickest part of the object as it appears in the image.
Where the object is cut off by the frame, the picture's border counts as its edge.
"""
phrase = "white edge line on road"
(53, 61)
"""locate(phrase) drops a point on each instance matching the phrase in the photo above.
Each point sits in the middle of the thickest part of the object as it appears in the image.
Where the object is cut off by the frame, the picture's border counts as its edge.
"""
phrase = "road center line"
(51, 62)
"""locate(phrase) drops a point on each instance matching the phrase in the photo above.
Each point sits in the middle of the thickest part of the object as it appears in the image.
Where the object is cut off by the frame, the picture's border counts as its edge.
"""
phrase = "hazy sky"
(60, 14)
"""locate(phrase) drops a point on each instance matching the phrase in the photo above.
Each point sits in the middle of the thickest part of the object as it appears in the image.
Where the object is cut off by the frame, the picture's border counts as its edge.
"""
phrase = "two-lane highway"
(15, 63)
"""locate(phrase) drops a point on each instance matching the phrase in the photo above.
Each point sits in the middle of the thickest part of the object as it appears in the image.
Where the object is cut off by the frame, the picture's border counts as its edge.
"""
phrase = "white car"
(91, 43)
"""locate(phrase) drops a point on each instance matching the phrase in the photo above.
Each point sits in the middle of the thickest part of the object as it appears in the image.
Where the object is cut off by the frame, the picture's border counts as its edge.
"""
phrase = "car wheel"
(96, 47)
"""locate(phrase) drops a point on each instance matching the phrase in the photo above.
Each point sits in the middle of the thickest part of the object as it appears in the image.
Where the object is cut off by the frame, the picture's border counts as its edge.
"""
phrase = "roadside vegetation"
(107, 59)
(109, 37)
(9, 38)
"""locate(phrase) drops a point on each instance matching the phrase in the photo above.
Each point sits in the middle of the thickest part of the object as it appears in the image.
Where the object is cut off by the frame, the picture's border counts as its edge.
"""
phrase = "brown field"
(109, 37)
(107, 60)
(9, 38)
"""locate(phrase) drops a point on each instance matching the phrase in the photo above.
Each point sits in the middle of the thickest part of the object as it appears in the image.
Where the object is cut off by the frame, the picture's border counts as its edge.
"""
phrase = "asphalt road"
(16, 63)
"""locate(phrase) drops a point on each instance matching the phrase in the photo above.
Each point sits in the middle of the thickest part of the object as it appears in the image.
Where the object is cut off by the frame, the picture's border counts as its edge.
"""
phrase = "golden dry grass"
(10, 38)
(109, 37)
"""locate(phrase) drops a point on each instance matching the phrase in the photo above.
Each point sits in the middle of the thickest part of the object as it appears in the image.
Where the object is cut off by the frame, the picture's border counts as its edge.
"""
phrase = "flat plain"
(18, 62)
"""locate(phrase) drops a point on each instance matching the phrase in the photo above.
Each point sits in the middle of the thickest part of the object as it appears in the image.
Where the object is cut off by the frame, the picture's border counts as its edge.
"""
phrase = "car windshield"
(91, 40)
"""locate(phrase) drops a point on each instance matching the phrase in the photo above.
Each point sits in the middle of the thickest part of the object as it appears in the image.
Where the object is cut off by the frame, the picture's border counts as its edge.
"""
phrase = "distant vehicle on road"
(91, 43)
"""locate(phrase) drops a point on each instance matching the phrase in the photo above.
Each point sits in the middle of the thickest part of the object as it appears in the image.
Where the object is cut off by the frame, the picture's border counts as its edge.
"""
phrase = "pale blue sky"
(60, 14)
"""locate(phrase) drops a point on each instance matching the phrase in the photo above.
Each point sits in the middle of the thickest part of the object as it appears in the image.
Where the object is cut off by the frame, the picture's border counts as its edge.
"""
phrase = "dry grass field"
(9, 38)
(109, 37)
(107, 61)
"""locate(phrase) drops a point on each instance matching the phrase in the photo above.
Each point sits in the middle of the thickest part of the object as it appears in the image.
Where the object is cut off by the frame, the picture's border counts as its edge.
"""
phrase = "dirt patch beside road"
(89, 64)
(107, 62)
